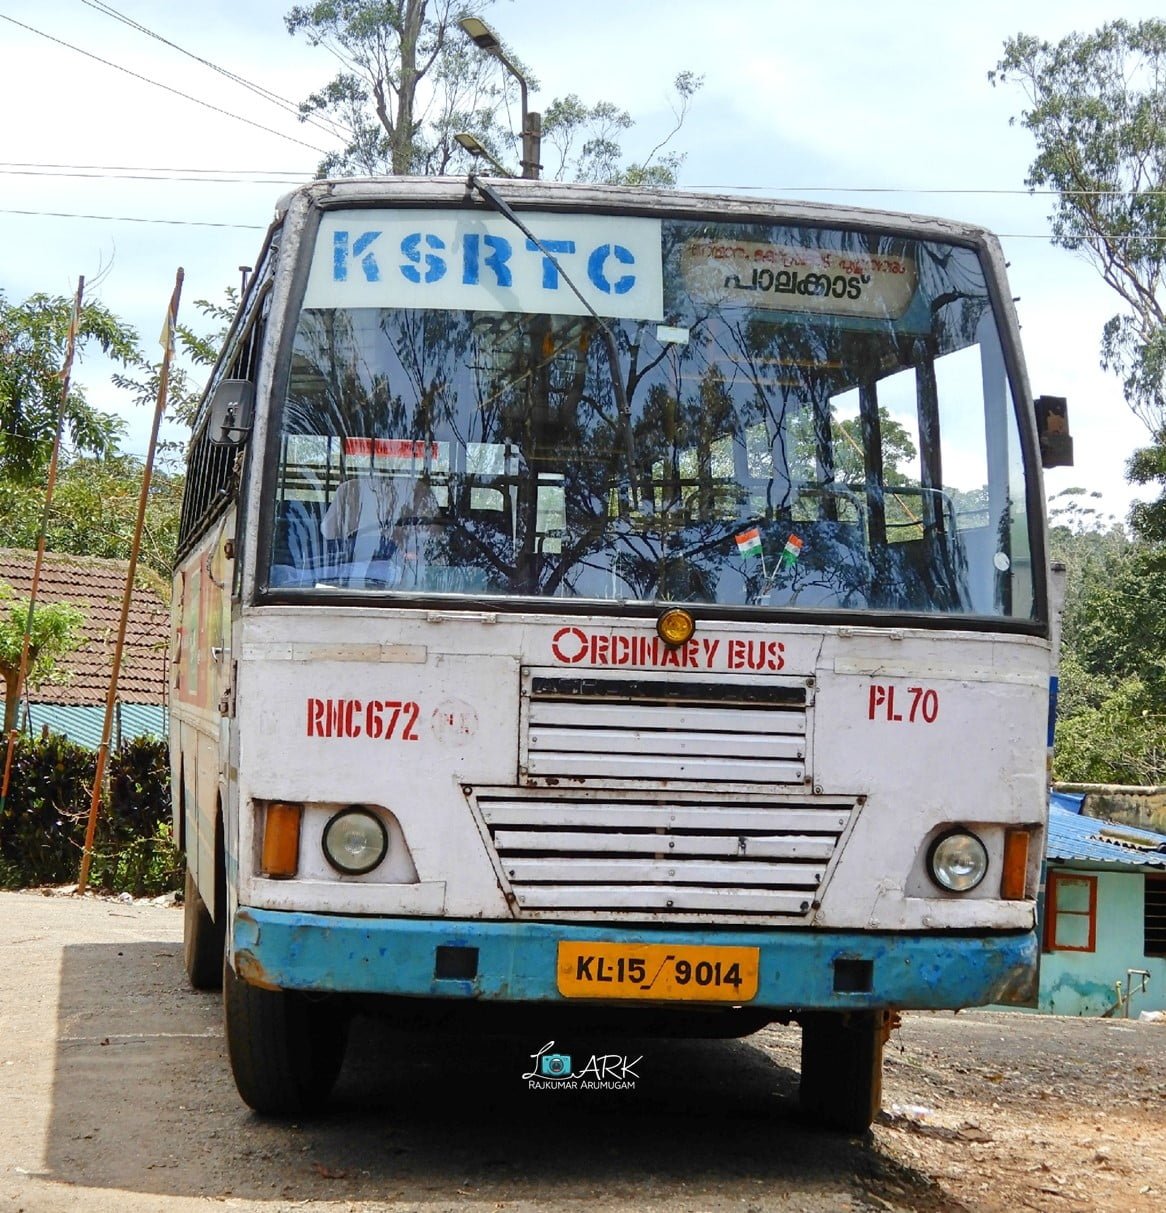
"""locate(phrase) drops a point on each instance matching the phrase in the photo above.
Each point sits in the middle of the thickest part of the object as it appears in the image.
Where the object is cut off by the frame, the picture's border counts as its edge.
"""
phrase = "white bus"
(626, 602)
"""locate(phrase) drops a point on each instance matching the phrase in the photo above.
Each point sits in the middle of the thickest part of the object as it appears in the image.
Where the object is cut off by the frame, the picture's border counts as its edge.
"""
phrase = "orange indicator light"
(675, 627)
(281, 839)
(1015, 876)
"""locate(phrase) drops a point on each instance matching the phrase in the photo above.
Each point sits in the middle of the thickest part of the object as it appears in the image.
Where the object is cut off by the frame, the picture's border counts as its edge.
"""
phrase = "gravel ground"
(115, 1097)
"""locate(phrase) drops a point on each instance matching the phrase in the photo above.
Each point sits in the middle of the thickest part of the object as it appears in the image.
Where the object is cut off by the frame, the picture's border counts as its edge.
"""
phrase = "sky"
(883, 104)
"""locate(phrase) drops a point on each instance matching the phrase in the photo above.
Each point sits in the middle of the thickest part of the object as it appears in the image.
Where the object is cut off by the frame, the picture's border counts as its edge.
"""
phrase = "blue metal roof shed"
(83, 725)
(1073, 838)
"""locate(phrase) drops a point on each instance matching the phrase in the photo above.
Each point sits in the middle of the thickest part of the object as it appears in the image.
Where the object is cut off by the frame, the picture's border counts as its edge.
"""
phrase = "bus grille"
(583, 855)
(664, 729)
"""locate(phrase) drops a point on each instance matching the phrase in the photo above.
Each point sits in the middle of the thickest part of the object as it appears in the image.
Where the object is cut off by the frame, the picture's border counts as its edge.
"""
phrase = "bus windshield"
(779, 417)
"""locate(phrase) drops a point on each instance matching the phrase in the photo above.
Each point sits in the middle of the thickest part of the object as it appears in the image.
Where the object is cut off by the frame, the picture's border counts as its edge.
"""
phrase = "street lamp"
(484, 38)
(476, 148)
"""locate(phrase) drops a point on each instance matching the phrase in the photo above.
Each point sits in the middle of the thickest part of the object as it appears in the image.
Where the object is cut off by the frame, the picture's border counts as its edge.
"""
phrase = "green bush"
(42, 829)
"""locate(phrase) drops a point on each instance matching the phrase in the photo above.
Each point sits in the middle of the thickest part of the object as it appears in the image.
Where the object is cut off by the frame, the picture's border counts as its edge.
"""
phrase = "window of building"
(1071, 912)
(1155, 915)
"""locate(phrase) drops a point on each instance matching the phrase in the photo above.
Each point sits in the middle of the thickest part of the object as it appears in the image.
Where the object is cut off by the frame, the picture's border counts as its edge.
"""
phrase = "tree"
(202, 349)
(1108, 731)
(897, 448)
(94, 511)
(596, 131)
(412, 81)
(1112, 706)
(1096, 106)
(55, 630)
(33, 341)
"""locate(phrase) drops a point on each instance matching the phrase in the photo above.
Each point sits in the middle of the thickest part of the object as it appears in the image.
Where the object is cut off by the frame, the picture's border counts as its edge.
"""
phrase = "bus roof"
(555, 195)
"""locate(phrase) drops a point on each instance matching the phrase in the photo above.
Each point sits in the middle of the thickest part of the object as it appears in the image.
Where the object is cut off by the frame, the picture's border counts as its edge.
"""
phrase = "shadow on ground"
(143, 1101)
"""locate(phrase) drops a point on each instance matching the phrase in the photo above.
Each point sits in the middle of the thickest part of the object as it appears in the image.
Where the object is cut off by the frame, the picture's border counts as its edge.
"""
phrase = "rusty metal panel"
(781, 846)
(641, 870)
(673, 743)
(709, 719)
(581, 852)
(644, 727)
(653, 766)
(615, 814)
(667, 898)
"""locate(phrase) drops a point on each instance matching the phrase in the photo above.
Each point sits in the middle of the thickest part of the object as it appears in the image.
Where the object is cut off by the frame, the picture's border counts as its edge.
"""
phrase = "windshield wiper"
(621, 397)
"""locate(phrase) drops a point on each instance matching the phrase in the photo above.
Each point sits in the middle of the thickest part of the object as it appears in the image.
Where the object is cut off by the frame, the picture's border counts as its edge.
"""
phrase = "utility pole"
(487, 40)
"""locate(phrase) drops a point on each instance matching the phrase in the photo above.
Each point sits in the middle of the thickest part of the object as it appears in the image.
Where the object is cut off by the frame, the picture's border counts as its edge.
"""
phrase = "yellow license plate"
(657, 971)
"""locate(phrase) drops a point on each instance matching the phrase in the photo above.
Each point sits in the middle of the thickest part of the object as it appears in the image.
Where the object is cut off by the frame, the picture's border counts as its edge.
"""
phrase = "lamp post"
(476, 148)
(484, 38)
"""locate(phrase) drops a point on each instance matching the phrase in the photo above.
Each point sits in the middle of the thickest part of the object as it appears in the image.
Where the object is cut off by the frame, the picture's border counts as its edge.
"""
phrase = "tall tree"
(1096, 106)
(33, 339)
(411, 81)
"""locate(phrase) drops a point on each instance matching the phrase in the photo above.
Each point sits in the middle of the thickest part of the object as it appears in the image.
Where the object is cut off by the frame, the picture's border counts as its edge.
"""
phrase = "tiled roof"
(96, 586)
(1091, 840)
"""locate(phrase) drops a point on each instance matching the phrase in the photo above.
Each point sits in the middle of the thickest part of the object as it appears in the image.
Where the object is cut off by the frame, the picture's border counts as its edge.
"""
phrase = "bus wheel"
(286, 1049)
(842, 1068)
(202, 940)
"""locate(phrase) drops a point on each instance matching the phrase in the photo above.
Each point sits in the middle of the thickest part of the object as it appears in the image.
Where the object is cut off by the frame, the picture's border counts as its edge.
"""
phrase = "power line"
(260, 227)
(146, 168)
(910, 189)
(165, 87)
(257, 227)
(149, 175)
(278, 176)
(290, 106)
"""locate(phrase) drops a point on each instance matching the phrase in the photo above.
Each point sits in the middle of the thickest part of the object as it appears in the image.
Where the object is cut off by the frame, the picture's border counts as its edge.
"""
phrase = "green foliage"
(135, 851)
(1111, 724)
(1115, 622)
(413, 81)
(183, 391)
(33, 343)
(94, 511)
(586, 141)
(897, 447)
(1148, 466)
(409, 71)
(1107, 731)
(42, 830)
(1096, 105)
(55, 630)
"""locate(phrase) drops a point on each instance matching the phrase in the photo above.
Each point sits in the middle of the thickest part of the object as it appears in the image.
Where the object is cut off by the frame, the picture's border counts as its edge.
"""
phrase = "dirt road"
(115, 1097)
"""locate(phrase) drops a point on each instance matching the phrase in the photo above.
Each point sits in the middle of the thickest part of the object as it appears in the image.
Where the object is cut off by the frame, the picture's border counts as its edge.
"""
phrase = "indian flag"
(791, 552)
(749, 543)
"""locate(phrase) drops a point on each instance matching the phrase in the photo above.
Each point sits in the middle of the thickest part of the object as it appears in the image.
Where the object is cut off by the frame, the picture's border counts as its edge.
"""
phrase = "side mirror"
(231, 408)
(1052, 427)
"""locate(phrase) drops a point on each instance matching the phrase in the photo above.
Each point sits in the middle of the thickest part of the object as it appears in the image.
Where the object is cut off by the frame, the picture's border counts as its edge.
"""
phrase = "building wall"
(1082, 983)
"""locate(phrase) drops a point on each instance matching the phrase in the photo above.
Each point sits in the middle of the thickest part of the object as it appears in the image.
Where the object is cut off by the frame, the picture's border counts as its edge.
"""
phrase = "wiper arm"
(621, 396)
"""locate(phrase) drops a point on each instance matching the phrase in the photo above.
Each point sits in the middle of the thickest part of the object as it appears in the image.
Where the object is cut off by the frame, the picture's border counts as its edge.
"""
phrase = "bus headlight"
(355, 841)
(957, 861)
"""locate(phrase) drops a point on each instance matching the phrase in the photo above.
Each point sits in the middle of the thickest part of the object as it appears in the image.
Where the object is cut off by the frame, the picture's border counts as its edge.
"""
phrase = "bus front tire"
(842, 1068)
(202, 940)
(286, 1049)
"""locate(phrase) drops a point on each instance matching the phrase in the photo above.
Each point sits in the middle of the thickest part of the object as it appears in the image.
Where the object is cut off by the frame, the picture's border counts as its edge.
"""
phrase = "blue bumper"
(516, 962)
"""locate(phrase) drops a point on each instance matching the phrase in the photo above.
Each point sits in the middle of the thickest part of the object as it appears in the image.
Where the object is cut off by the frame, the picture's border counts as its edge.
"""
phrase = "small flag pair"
(749, 544)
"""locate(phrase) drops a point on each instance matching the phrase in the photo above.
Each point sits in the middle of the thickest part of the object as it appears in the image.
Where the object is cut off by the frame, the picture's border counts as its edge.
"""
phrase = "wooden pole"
(168, 332)
(25, 649)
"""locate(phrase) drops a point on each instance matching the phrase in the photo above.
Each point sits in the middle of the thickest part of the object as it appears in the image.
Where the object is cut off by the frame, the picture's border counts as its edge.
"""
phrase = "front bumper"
(516, 962)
